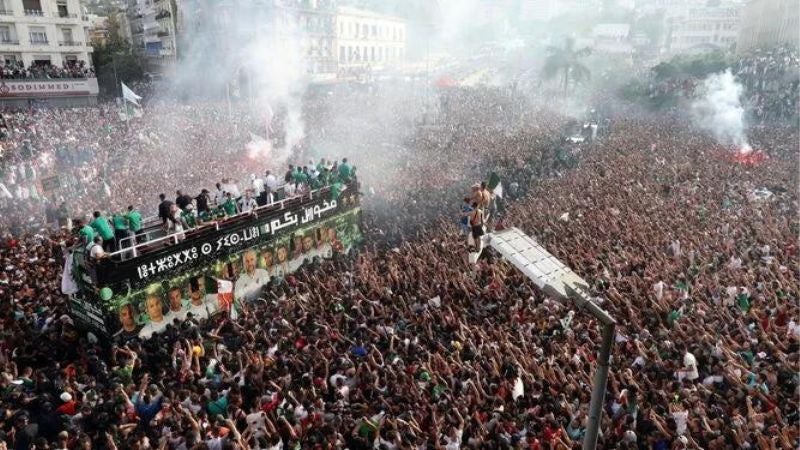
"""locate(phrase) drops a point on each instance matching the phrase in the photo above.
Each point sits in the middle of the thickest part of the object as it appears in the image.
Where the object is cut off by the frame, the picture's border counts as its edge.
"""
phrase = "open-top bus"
(196, 273)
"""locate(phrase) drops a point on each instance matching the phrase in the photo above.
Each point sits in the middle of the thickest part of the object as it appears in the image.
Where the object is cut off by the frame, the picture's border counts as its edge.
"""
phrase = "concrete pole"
(599, 388)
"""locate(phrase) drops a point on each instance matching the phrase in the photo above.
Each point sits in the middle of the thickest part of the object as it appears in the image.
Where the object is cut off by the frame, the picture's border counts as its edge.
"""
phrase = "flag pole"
(127, 113)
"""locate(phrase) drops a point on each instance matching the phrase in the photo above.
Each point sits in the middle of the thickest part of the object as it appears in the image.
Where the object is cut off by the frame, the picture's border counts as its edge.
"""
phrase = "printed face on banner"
(197, 295)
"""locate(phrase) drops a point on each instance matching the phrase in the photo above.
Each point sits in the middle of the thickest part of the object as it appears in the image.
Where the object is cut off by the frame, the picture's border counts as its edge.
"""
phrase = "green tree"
(115, 61)
(566, 62)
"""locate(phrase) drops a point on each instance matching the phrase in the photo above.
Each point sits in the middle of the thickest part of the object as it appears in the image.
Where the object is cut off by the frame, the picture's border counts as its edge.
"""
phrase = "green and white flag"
(495, 185)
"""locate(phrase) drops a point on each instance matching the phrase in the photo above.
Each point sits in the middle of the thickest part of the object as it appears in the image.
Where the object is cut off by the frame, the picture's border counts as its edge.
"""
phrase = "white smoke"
(256, 53)
(720, 110)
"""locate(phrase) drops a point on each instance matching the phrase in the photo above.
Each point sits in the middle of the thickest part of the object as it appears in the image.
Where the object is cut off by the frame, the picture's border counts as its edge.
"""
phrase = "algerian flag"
(495, 185)
(129, 95)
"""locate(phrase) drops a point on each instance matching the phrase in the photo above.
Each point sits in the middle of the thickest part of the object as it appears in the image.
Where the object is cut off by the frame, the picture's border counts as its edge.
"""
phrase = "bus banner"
(229, 275)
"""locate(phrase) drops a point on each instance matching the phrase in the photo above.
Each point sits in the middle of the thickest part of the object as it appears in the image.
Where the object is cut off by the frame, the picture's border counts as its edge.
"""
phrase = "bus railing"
(128, 251)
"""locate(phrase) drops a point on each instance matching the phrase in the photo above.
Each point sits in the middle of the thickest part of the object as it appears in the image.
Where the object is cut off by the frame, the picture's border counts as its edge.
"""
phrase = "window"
(341, 28)
(9, 60)
(5, 33)
(372, 56)
(62, 9)
(67, 34)
(374, 31)
(38, 35)
(342, 53)
(365, 30)
(32, 7)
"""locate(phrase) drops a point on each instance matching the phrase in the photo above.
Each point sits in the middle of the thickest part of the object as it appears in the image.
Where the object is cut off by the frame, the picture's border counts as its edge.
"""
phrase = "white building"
(768, 23)
(704, 28)
(153, 33)
(367, 41)
(612, 38)
(43, 32)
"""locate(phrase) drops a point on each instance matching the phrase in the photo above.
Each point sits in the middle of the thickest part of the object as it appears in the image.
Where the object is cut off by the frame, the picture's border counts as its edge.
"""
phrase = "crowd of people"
(16, 70)
(405, 344)
(770, 80)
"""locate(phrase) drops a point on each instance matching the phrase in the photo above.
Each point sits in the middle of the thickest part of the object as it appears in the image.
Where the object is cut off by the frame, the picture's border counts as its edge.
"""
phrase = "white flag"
(68, 285)
(129, 95)
(498, 190)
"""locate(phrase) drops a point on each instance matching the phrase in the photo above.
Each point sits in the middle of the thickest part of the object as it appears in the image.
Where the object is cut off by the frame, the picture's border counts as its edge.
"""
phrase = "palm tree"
(566, 60)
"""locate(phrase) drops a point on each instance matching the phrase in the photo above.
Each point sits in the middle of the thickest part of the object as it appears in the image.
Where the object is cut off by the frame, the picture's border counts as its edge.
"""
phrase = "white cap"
(66, 397)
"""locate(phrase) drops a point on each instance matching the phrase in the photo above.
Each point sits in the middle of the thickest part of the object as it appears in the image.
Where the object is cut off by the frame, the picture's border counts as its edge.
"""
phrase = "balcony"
(63, 15)
(9, 41)
(39, 42)
(6, 12)
(70, 44)
(162, 33)
(34, 12)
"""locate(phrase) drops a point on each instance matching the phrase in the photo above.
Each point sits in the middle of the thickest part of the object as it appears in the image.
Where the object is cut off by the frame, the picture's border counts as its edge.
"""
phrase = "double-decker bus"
(216, 267)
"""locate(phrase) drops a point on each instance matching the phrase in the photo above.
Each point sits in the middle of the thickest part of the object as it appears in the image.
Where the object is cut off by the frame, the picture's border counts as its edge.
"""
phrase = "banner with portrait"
(231, 280)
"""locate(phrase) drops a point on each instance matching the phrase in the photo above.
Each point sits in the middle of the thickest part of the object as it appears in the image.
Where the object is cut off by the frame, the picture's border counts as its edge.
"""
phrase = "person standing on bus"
(230, 207)
(103, 228)
(134, 221)
(202, 202)
(247, 203)
(164, 210)
(121, 229)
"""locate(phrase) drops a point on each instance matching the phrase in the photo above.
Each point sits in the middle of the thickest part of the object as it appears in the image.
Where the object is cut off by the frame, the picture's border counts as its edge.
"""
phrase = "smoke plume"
(720, 110)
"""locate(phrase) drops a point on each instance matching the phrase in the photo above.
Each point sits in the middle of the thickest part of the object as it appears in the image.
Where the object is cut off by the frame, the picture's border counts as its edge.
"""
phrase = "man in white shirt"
(96, 251)
(453, 439)
(200, 306)
(256, 422)
(257, 184)
(248, 286)
(176, 309)
(247, 203)
(271, 181)
(689, 370)
(155, 312)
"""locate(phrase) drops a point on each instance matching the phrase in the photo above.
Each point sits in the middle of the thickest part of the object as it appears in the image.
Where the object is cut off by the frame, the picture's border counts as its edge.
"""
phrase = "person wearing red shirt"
(69, 406)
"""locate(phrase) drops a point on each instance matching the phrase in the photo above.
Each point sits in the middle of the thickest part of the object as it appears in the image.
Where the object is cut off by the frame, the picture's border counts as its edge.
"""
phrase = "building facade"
(768, 23)
(368, 41)
(704, 28)
(153, 33)
(44, 32)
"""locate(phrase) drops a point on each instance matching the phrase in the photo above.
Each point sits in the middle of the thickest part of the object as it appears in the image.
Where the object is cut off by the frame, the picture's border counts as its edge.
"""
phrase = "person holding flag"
(129, 96)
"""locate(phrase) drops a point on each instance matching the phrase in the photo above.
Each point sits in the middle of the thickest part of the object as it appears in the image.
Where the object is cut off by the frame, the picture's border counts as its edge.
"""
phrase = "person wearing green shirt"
(103, 228)
(345, 171)
(219, 212)
(85, 232)
(336, 190)
(204, 216)
(188, 217)
(230, 205)
(134, 219)
(121, 229)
